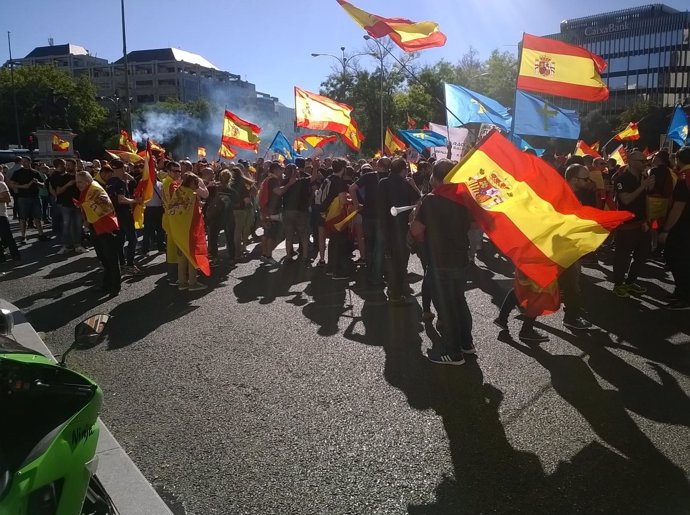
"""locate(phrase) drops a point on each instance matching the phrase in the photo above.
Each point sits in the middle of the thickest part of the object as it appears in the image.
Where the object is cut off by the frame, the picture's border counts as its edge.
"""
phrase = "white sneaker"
(63, 250)
(79, 249)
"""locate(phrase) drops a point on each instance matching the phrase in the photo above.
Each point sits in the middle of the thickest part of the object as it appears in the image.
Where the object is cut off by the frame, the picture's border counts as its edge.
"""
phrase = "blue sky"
(269, 42)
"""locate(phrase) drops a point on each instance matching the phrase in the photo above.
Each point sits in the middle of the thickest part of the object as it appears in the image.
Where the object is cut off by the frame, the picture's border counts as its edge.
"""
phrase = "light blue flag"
(282, 146)
(523, 145)
(419, 140)
(535, 116)
(472, 107)
(678, 129)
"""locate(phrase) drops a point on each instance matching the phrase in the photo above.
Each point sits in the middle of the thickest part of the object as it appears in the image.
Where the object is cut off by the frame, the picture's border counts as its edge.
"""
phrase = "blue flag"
(419, 140)
(471, 107)
(678, 129)
(523, 145)
(282, 146)
(535, 116)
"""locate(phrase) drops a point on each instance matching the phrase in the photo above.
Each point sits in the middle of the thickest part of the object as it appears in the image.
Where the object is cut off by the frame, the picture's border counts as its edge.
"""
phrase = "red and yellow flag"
(156, 147)
(317, 140)
(186, 227)
(630, 133)
(392, 143)
(298, 145)
(527, 209)
(409, 35)
(581, 149)
(555, 68)
(126, 143)
(410, 122)
(226, 152)
(59, 144)
(338, 215)
(240, 133)
(317, 112)
(144, 189)
(377, 154)
(98, 209)
(125, 155)
(353, 137)
(595, 146)
(620, 155)
(200, 152)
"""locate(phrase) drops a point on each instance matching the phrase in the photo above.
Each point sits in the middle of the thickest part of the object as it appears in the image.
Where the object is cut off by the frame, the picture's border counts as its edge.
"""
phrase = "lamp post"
(115, 99)
(14, 93)
(342, 60)
(380, 57)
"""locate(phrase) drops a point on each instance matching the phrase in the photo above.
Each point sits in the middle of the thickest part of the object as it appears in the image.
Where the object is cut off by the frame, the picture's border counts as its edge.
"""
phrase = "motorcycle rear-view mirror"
(87, 333)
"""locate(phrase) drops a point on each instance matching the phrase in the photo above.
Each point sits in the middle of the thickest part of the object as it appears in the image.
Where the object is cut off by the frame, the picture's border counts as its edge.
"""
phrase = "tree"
(595, 127)
(652, 121)
(47, 97)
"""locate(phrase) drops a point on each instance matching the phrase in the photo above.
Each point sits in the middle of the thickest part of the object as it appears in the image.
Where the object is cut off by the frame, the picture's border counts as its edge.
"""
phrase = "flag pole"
(517, 75)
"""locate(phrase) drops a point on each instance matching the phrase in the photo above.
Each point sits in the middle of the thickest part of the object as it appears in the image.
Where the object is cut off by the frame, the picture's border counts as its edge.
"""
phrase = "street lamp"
(342, 60)
(380, 56)
(115, 99)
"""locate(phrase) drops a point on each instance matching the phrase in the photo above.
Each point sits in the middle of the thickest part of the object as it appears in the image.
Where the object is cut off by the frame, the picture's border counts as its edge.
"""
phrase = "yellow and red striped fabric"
(409, 35)
(126, 143)
(555, 68)
(620, 155)
(145, 186)
(353, 137)
(317, 140)
(581, 149)
(98, 209)
(317, 112)
(186, 228)
(392, 143)
(527, 209)
(239, 132)
(630, 133)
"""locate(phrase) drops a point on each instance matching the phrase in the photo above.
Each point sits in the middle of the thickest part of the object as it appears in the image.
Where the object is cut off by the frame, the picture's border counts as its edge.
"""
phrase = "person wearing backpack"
(269, 205)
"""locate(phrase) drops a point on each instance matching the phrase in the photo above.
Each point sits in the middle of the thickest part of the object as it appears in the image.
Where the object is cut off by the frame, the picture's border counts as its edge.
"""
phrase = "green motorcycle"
(49, 431)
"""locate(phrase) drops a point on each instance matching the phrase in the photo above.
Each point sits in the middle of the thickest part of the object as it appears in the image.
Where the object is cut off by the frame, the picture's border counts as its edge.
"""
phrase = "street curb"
(128, 488)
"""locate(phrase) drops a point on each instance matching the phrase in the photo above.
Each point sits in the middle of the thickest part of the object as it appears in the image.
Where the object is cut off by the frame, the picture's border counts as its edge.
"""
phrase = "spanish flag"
(527, 209)
(156, 147)
(353, 137)
(392, 143)
(317, 140)
(98, 209)
(59, 144)
(338, 215)
(377, 154)
(200, 152)
(410, 122)
(630, 133)
(240, 133)
(620, 155)
(298, 145)
(409, 35)
(555, 68)
(317, 112)
(125, 155)
(126, 143)
(144, 189)
(226, 152)
(186, 228)
(595, 146)
(581, 149)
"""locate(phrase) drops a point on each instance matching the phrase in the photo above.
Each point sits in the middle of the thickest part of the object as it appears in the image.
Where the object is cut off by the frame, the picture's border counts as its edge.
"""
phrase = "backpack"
(321, 194)
(219, 205)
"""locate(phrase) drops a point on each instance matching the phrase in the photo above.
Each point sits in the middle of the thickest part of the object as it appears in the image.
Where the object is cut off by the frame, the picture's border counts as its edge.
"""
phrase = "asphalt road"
(283, 391)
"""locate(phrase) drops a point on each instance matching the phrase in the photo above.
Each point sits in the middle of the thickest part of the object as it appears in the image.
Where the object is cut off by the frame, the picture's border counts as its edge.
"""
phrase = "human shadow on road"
(645, 481)
(135, 319)
(267, 283)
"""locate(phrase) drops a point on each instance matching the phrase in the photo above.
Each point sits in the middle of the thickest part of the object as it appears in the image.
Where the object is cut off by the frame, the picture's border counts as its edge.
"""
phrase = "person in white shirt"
(6, 238)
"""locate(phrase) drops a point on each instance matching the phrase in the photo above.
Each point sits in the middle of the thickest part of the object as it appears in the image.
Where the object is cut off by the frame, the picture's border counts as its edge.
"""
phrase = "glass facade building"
(647, 50)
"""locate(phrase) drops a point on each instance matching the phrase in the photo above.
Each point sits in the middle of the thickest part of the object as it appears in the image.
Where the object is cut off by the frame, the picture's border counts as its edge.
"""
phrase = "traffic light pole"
(14, 93)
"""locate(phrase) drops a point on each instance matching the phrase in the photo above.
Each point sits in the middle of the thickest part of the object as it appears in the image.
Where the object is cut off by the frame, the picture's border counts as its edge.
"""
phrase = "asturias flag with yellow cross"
(527, 209)
(555, 68)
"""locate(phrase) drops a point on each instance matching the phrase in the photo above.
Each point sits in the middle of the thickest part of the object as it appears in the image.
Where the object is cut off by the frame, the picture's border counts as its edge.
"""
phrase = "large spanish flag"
(630, 133)
(392, 143)
(126, 143)
(527, 209)
(98, 209)
(186, 227)
(240, 133)
(408, 35)
(353, 137)
(555, 68)
(317, 112)
(226, 152)
(145, 186)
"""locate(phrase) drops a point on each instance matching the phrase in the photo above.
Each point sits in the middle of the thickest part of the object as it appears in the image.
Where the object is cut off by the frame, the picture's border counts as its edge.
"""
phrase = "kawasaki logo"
(81, 434)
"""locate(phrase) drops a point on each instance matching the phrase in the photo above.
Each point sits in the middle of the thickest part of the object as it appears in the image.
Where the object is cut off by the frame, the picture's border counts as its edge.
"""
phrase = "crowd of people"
(332, 210)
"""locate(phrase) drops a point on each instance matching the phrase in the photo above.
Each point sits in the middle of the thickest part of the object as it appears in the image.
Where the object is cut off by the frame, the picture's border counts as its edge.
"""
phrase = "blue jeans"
(448, 291)
(71, 226)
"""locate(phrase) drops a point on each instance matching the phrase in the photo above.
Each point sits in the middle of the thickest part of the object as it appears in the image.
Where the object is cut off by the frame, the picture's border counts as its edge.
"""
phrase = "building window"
(144, 83)
(167, 82)
(618, 64)
(141, 99)
(618, 82)
(638, 62)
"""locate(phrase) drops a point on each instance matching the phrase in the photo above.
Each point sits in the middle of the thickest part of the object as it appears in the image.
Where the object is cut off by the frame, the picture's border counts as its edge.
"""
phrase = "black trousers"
(569, 282)
(633, 247)
(336, 252)
(7, 240)
(677, 254)
(153, 228)
(126, 233)
(227, 224)
(509, 304)
(107, 249)
(396, 269)
(373, 242)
